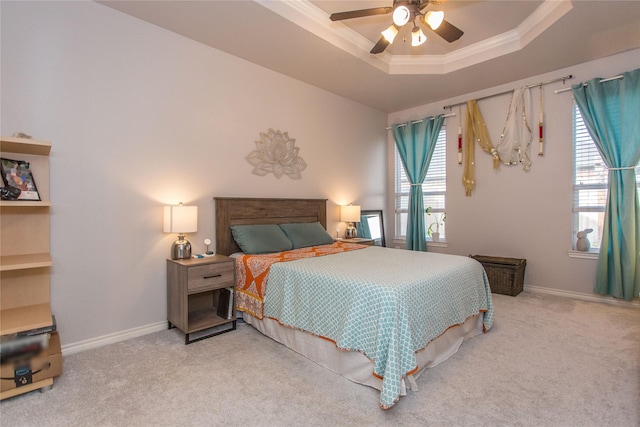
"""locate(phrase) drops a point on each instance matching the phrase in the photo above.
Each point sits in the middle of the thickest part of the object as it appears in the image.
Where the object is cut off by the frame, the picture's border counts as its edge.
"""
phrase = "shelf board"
(25, 318)
(22, 262)
(25, 203)
(204, 319)
(25, 146)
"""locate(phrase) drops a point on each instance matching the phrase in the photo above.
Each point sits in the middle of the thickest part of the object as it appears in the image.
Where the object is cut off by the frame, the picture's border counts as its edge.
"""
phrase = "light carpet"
(547, 361)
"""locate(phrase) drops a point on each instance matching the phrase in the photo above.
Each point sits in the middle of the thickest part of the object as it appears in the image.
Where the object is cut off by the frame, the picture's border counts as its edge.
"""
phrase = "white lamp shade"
(417, 37)
(390, 33)
(434, 19)
(180, 219)
(401, 15)
(350, 213)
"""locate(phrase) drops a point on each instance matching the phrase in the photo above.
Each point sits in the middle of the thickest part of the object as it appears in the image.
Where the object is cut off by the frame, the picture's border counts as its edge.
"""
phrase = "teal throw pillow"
(260, 239)
(306, 234)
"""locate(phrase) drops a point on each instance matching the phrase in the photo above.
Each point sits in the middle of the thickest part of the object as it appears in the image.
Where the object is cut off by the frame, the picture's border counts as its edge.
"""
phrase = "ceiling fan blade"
(448, 31)
(380, 46)
(425, 3)
(360, 13)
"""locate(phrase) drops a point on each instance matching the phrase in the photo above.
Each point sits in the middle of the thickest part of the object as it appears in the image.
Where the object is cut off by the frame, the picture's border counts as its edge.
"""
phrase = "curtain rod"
(562, 79)
(420, 121)
(587, 84)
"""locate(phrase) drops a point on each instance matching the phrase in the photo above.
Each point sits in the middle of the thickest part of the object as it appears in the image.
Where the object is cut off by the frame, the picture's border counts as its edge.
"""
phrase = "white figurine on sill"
(583, 244)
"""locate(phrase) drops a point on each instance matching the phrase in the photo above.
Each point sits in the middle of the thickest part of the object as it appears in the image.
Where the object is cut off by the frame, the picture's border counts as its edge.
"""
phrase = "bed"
(377, 316)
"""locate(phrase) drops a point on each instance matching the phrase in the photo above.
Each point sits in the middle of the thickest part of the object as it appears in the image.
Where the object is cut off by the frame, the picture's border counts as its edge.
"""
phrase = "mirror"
(371, 226)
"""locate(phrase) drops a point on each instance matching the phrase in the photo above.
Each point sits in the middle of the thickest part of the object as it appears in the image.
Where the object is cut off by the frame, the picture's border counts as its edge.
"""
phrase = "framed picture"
(16, 174)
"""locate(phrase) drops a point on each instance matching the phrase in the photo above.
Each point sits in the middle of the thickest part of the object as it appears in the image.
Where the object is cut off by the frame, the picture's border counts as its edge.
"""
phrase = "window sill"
(399, 243)
(583, 255)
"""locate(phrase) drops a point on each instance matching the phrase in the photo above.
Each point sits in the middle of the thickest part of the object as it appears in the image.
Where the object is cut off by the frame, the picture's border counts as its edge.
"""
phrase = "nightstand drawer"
(210, 276)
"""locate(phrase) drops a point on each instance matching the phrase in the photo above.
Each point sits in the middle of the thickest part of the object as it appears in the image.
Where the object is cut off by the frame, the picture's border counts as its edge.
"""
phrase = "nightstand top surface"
(198, 261)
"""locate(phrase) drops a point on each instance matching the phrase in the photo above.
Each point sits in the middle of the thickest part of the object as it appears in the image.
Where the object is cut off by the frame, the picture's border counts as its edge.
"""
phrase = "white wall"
(140, 117)
(513, 213)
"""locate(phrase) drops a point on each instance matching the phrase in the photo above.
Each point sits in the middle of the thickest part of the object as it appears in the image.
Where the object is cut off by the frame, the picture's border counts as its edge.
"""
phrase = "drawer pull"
(211, 277)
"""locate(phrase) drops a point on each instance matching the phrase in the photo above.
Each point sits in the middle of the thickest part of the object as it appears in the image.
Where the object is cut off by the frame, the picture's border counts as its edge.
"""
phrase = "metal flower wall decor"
(276, 153)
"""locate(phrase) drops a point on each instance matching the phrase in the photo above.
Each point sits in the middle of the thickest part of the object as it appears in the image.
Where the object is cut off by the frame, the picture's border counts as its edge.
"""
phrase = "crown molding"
(313, 19)
(304, 14)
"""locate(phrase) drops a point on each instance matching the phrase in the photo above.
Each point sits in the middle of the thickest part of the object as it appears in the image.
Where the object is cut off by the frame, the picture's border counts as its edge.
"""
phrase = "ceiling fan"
(404, 12)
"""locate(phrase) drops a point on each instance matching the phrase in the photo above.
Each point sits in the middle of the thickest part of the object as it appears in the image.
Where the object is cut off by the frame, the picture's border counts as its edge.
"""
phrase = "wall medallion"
(276, 153)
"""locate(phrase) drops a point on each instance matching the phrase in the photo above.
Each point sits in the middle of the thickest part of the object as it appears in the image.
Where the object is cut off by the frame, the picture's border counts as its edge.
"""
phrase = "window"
(434, 188)
(590, 182)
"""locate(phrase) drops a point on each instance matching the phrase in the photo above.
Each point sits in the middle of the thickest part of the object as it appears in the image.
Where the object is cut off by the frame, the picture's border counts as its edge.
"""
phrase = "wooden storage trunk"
(506, 275)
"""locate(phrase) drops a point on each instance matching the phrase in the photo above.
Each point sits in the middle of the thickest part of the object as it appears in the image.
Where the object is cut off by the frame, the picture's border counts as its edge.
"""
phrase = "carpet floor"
(547, 361)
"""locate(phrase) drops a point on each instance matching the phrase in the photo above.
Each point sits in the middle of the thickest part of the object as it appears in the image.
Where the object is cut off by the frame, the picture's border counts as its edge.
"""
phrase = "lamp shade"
(417, 37)
(434, 19)
(390, 33)
(350, 213)
(180, 219)
(401, 15)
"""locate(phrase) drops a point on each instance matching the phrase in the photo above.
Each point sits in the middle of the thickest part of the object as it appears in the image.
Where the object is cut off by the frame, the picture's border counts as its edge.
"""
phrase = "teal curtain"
(363, 230)
(611, 112)
(416, 142)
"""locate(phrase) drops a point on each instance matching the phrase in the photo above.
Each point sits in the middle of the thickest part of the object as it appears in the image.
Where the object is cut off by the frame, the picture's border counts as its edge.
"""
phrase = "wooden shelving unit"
(25, 260)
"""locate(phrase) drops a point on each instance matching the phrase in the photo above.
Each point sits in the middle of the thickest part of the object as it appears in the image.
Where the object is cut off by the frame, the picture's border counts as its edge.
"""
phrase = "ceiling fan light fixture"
(390, 33)
(417, 37)
(434, 19)
(401, 15)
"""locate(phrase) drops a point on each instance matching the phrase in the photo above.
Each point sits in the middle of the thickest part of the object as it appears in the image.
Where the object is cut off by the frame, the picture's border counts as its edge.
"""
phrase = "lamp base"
(181, 249)
(351, 232)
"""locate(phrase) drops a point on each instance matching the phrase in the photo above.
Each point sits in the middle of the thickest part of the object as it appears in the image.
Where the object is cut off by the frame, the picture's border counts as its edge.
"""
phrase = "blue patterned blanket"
(386, 303)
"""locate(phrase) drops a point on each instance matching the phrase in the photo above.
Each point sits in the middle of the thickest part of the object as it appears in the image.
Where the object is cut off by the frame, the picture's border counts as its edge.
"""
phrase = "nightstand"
(200, 295)
(358, 240)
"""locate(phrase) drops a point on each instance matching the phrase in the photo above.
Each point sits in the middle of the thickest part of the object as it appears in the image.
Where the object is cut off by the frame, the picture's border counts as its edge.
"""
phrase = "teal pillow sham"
(260, 239)
(306, 234)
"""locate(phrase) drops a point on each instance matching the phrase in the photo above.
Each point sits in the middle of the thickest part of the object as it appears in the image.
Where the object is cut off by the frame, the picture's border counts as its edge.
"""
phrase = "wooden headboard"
(238, 211)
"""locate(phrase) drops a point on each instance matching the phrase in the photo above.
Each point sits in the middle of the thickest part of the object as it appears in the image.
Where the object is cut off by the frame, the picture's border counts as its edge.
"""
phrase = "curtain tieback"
(413, 185)
(623, 168)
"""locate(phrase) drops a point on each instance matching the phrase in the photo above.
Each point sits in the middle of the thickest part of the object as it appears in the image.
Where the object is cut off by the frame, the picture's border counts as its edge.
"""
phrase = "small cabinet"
(200, 295)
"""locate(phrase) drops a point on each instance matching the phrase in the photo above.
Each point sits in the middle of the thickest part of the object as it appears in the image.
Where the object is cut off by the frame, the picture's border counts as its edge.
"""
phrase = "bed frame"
(242, 211)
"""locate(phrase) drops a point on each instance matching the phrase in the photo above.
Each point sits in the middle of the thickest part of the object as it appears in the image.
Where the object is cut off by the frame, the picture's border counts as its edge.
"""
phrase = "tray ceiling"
(503, 41)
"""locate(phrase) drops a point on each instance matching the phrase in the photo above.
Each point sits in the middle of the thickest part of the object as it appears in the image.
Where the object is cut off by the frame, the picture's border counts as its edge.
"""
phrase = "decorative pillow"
(260, 239)
(306, 234)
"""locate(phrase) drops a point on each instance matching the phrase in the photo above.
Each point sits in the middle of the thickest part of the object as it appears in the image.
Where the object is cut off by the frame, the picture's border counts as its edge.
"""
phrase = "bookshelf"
(25, 260)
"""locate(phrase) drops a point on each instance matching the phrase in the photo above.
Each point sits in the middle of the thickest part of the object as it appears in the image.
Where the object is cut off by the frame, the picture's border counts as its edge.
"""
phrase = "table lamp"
(180, 219)
(350, 214)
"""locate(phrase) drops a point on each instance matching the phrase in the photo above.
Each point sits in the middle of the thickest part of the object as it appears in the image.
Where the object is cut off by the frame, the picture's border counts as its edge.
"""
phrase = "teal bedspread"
(386, 303)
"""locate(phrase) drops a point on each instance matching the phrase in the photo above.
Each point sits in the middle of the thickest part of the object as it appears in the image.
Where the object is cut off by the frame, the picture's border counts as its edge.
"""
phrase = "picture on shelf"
(16, 174)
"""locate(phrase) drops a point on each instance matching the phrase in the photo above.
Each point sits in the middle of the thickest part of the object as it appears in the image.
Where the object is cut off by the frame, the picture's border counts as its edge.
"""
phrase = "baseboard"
(581, 296)
(159, 326)
(92, 343)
